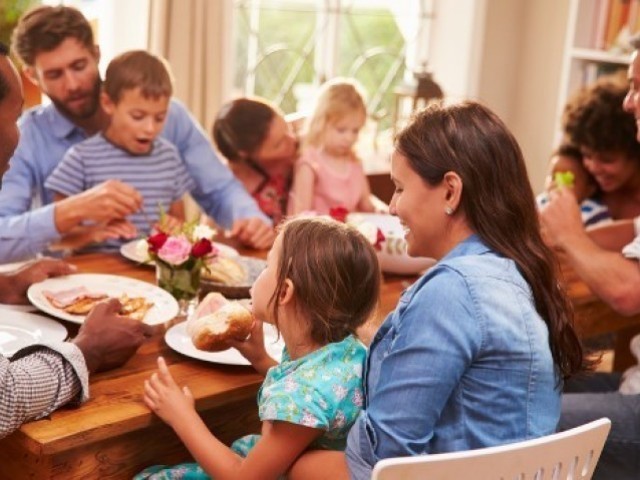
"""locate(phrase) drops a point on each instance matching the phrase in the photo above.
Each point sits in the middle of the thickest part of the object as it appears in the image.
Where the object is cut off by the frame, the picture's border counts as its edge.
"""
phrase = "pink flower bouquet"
(179, 257)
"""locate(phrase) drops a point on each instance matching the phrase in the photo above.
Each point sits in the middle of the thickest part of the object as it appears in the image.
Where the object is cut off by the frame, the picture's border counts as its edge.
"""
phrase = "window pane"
(274, 48)
(286, 48)
(372, 51)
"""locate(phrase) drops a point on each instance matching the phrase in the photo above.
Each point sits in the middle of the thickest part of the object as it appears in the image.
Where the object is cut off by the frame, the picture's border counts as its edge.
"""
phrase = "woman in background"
(595, 121)
(261, 149)
(599, 120)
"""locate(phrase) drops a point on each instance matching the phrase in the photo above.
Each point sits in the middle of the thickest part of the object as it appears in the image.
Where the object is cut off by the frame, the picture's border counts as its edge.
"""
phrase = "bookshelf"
(596, 42)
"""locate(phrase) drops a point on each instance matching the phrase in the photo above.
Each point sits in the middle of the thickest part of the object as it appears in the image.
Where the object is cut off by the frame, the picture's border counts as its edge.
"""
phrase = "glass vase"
(182, 282)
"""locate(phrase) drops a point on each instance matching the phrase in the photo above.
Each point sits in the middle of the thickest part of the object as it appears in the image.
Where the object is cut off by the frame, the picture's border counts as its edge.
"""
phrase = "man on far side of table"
(613, 274)
(58, 53)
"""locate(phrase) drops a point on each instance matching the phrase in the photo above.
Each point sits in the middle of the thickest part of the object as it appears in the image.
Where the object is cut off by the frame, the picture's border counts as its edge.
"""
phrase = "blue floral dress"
(321, 390)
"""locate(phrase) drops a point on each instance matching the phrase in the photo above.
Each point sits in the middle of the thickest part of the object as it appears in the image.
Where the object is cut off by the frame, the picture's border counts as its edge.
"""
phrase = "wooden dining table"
(594, 318)
(114, 435)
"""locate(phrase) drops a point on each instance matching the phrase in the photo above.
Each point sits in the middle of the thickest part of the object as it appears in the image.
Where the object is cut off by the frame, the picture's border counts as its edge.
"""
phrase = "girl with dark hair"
(261, 149)
(476, 352)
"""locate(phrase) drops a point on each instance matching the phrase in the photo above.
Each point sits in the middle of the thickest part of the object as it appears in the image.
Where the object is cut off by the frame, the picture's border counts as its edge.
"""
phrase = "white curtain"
(195, 36)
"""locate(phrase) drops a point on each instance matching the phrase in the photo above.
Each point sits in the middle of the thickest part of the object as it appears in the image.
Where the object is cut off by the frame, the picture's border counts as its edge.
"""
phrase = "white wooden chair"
(571, 455)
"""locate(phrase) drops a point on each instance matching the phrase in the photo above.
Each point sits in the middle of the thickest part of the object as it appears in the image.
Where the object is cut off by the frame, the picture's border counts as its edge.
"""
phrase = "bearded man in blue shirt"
(56, 47)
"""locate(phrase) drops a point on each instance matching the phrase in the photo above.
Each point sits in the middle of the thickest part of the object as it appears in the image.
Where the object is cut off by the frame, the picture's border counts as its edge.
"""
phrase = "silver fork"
(147, 218)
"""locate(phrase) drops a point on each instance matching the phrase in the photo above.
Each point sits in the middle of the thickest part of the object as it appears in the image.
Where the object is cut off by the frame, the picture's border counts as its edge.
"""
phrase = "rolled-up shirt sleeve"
(38, 380)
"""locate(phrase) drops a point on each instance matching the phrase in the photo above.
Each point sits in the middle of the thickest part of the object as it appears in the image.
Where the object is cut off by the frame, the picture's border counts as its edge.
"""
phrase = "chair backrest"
(572, 454)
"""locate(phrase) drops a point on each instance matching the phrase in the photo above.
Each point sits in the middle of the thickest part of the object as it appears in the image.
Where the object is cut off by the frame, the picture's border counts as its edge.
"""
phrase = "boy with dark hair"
(56, 47)
(136, 95)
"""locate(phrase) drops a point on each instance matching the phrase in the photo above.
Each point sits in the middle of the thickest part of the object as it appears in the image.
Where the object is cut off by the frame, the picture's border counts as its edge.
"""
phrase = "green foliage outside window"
(10, 11)
(286, 38)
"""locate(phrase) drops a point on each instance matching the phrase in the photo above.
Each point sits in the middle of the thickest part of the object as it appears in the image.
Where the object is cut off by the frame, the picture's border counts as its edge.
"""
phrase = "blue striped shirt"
(27, 223)
(160, 177)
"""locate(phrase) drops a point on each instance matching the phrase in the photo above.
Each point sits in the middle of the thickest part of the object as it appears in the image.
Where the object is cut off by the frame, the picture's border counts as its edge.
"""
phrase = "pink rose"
(175, 251)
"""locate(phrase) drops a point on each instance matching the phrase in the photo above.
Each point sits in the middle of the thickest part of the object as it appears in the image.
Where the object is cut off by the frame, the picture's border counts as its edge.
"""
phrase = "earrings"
(448, 210)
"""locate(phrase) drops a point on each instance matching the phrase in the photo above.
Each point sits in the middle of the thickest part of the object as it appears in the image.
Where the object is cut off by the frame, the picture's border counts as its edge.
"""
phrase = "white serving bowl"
(393, 256)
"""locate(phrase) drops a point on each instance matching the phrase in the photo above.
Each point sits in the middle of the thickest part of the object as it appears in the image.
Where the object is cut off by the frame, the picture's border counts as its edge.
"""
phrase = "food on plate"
(80, 301)
(225, 270)
(77, 300)
(218, 320)
(82, 306)
(134, 307)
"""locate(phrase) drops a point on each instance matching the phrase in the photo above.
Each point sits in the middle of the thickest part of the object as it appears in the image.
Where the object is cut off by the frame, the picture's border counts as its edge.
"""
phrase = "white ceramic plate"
(18, 308)
(129, 250)
(19, 330)
(178, 339)
(164, 307)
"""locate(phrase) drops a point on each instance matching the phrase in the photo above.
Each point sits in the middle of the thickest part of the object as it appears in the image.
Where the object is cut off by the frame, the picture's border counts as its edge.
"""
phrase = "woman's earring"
(448, 210)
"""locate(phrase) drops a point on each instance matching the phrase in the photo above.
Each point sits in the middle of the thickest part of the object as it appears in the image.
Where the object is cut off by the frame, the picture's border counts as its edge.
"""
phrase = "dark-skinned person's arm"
(14, 285)
(107, 339)
(41, 378)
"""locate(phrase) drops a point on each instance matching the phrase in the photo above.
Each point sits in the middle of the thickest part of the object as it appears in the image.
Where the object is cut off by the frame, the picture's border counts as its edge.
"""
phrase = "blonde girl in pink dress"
(328, 173)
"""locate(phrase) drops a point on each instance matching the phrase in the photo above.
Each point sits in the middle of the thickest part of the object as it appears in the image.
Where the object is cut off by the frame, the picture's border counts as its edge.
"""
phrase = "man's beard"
(88, 110)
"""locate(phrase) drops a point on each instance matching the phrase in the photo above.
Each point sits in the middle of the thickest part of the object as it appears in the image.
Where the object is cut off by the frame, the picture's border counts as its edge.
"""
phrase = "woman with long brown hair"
(261, 149)
(476, 352)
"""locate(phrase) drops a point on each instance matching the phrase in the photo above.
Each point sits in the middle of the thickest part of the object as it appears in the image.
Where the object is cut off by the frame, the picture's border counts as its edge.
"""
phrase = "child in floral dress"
(321, 282)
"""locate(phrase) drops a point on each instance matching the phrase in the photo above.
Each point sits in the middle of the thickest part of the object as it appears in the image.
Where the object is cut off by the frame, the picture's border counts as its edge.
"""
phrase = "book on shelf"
(634, 16)
(601, 17)
(635, 26)
(613, 23)
(618, 16)
(589, 73)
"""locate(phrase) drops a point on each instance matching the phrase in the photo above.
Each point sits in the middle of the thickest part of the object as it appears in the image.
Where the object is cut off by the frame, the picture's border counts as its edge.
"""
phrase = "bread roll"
(213, 331)
(226, 271)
